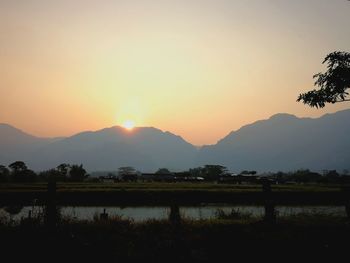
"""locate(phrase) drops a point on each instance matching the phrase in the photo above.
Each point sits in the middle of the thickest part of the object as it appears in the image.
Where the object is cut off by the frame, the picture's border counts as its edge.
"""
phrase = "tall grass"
(233, 214)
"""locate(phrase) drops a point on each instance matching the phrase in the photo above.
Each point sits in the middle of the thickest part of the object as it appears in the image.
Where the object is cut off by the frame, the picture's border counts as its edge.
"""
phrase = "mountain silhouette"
(144, 148)
(283, 142)
(18, 145)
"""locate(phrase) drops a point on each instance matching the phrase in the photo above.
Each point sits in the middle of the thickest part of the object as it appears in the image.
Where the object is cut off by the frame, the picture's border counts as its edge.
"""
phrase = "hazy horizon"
(280, 143)
(199, 69)
(153, 127)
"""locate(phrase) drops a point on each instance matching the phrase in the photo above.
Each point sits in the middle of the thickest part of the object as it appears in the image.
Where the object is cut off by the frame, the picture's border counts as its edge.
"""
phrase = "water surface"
(143, 213)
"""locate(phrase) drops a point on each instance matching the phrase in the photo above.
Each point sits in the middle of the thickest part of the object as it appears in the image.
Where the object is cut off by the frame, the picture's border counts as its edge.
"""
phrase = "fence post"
(270, 213)
(174, 216)
(104, 215)
(347, 209)
(346, 192)
(51, 212)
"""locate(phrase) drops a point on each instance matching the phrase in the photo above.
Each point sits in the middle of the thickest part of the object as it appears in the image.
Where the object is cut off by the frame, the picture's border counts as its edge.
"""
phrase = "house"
(108, 179)
(147, 177)
(239, 178)
(168, 177)
(157, 177)
(189, 179)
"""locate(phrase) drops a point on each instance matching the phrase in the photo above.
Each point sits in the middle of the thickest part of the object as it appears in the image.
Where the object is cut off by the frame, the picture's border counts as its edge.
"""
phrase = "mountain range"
(283, 142)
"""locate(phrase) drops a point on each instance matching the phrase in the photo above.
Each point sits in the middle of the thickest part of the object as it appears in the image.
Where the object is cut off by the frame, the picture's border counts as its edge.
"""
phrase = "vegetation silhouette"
(4, 174)
(77, 173)
(177, 239)
(210, 172)
(128, 174)
(230, 235)
(20, 172)
(333, 84)
(163, 171)
(66, 173)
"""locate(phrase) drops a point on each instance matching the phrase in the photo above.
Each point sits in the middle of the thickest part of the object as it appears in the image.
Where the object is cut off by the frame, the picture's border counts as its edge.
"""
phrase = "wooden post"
(51, 212)
(104, 215)
(346, 192)
(174, 216)
(266, 186)
(347, 209)
(270, 213)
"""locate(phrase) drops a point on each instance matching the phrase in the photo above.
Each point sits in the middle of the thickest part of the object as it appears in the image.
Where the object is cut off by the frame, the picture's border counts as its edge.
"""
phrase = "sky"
(199, 69)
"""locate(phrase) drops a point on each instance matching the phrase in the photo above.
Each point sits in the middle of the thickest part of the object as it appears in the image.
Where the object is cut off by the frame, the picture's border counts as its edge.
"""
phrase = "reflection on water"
(139, 214)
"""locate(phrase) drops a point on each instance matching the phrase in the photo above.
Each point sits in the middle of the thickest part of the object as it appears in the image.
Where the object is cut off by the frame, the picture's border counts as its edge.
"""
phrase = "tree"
(27, 176)
(245, 172)
(127, 173)
(196, 171)
(208, 172)
(18, 166)
(52, 174)
(213, 172)
(63, 169)
(20, 173)
(333, 84)
(77, 173)
(4, 174)
(163, 171)
(305, 176)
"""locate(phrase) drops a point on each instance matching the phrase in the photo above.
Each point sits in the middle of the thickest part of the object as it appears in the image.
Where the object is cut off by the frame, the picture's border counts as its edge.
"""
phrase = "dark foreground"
(123, 240)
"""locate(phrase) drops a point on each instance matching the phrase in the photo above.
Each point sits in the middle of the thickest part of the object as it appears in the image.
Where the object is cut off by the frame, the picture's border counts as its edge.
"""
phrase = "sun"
(129, 125)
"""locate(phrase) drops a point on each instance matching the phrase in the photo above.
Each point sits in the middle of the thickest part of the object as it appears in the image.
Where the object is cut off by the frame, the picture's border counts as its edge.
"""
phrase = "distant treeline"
(18, 172)
(307, 176)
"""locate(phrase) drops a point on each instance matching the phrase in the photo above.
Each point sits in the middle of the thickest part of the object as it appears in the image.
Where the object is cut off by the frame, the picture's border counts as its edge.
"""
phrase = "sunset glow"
(199, 69)
(129, 125)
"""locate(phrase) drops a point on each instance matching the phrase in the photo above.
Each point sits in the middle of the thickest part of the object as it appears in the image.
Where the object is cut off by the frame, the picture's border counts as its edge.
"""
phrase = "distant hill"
(18, 145)
(283, 142)
(144, 148)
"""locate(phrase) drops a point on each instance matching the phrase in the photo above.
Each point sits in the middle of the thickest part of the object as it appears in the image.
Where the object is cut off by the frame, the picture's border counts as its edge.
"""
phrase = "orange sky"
(196, 68)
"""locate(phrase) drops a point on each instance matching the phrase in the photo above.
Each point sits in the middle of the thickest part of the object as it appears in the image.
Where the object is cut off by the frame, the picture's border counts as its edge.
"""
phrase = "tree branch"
(342, 100)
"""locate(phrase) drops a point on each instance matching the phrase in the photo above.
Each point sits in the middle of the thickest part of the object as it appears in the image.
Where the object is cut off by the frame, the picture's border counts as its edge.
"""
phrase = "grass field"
(170, 193)
(160, 241)
(168, 187)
